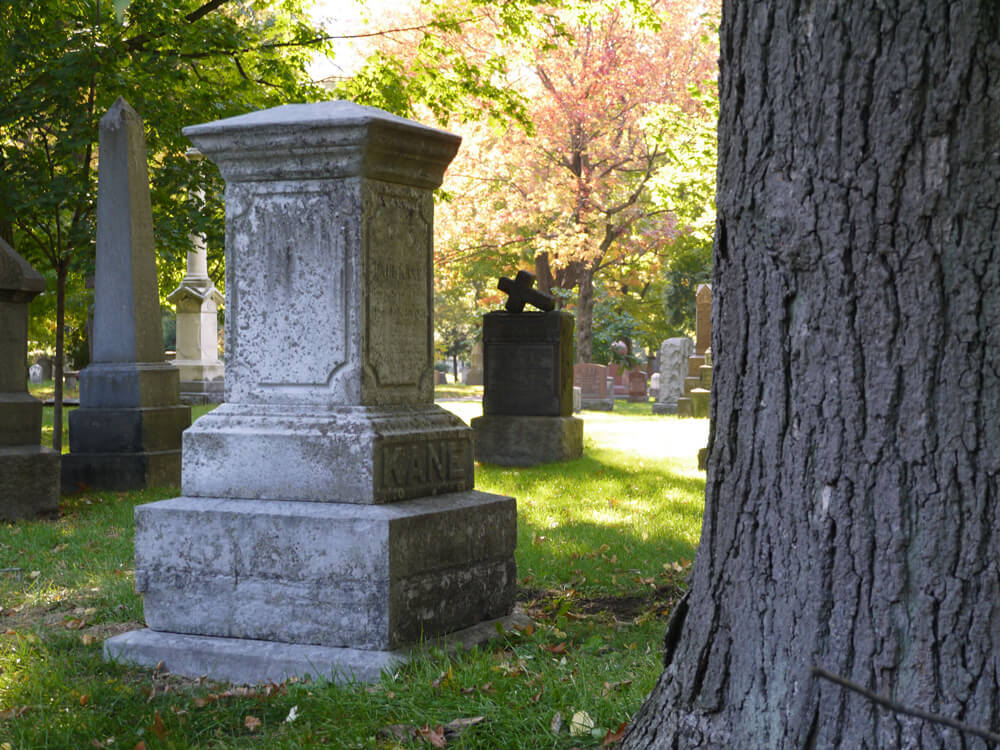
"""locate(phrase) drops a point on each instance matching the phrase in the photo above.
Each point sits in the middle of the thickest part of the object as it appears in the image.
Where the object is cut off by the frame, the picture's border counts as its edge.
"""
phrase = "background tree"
(180, 63)
(854, 463)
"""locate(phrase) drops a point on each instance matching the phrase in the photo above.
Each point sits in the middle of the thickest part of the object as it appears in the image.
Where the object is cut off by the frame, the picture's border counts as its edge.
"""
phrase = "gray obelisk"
(29, 473)
(127, 432)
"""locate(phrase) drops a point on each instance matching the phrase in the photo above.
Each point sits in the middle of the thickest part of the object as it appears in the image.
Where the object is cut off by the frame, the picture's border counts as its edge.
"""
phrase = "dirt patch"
(547, 603)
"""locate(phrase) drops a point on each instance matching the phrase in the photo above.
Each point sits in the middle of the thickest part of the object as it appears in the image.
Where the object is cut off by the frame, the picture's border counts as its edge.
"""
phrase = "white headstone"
(35, 374)
(674, 355)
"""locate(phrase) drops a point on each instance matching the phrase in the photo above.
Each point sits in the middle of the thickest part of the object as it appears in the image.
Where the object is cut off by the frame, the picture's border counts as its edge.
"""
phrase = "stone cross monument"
(29, 473)
(328, 521)
(127, 432)
(197, 302)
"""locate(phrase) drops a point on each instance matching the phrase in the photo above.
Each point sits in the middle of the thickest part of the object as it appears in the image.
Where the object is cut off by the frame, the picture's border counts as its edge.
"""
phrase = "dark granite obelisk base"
(127, 432)
(528, 390)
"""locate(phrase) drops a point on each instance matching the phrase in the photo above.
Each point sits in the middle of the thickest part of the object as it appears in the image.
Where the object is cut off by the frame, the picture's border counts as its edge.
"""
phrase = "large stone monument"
(29, 473)
(197, 301)
(127, 432)
(674, 354)
(528, 389)
(328, 521)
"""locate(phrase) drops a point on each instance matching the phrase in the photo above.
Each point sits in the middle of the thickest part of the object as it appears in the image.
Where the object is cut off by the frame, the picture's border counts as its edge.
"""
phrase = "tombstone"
(197, 302)
(637, 393)
(474, 375)
(328, 520)
(654, 385)
(528, 383)
(703, 318)
(619, 379)
(577, 399)
(440, 378)
(35, 374)
(593, 381)
(127, 432)
(697, 378)
(29, 473)
(674, 354)
(46, 364)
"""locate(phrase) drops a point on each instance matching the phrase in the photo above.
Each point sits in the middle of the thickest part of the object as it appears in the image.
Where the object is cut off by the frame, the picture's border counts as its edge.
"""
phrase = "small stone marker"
(654, 384)
(528, 388)
(474, 375)
(127, 432)
(637, 387)
(197, 301)
(328, 521)
(520, 292)
(29, 473)
(35, 374)
(593, 381)
(674, 354)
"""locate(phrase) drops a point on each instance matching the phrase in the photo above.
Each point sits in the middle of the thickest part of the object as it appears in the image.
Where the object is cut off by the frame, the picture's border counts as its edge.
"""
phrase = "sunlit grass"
(602, 551)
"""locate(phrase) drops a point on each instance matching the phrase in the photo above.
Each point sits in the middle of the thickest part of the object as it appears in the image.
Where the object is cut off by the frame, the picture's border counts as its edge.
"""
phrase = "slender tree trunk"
(62, 271)
(852, 517)
(585, 317)
(454, 366)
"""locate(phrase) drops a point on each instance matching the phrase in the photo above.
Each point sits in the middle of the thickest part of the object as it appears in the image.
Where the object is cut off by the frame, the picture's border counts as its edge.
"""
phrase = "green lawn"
(603, 550)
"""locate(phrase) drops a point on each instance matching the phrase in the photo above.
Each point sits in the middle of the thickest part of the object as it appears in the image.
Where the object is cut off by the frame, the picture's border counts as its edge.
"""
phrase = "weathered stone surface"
(577, 399)
(674, 354)
(594, 383)
(703, 318)
(127, 432)
(526, 441)
(245, 661)
(333, 574)
(29, 473)
(474, 375)
(335, 454)
(528, 364)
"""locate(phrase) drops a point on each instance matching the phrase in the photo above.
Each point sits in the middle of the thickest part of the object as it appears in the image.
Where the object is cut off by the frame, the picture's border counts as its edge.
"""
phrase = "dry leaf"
(158, 729)
(580, 724)
(84, 699)
(293, 714)
(433, 736)
(556, 724)
(252, 723)
(140, 746)
(87, 639)
(34, 574)
(613, 738)
(456, 726)
(559, 648)
(13, 713)
(536, 697)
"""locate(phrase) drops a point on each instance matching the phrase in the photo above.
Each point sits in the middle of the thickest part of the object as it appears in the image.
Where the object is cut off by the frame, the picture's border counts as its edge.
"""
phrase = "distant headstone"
(637, 387)
(29, 473)
(328, 522)
(703, 318)
(127, 432)
(577, 399)
(35, 374)
(528, 390)
(654, 384)
(593, 381)
(197, 301)
(46, 364)
(674, 354)
(474, 375)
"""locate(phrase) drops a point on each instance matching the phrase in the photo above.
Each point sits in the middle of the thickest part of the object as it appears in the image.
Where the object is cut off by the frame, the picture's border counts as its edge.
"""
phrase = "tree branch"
(901, 709)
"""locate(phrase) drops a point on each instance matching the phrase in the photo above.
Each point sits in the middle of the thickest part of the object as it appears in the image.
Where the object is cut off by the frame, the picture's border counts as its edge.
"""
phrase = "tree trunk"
(454, 366)
(585, 317)
(852, 519)
(62, 271)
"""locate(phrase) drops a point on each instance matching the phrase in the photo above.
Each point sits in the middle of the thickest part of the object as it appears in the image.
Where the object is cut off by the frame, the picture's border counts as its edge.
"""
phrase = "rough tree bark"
(852, 517)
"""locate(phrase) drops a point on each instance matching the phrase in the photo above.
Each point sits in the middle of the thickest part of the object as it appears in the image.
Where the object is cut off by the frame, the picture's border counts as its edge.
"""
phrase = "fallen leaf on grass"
(580, 724)
(559, 648)
(609, 686)
(158, 729)
(613, 738)
(293, 714)
(140, 746)
(433, 736)
(13, 713)
(556, 724)
(252, 723)
(87, 639)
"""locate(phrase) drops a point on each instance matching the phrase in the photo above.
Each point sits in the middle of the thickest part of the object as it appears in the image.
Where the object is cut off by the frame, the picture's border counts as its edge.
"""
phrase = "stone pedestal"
(528, 390)
(127, 432)
(197, 302)
(29, 473)
(327, 523)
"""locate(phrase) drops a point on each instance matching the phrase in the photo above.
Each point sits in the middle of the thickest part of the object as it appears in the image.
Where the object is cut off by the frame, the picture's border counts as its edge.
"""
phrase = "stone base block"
(344, 454)
(198, 371)
(29, 482)
(128, 384)
(664, 407)
(598, 404)
(371, 577)
(121, 430)
(685, 407)
(700, 402)
(690, 383)
(202, 392)
(248, 662)
(695, 361)
(120, 471)
(526, 441)
(21, 417)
